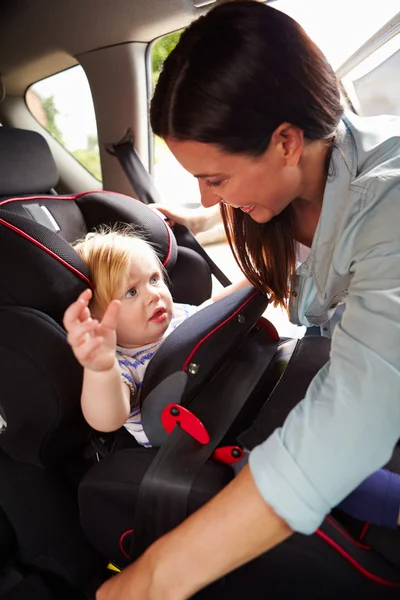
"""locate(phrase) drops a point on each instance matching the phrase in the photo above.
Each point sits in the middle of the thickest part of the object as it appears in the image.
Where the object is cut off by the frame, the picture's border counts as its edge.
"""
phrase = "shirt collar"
(342, 171)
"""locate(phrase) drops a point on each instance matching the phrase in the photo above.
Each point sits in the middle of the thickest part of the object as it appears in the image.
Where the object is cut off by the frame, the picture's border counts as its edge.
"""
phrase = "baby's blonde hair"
(108, 253)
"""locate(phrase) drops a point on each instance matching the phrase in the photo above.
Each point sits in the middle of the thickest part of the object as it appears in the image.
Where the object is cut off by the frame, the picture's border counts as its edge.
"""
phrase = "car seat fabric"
(41, 507)
(26, 163)
(40, 388)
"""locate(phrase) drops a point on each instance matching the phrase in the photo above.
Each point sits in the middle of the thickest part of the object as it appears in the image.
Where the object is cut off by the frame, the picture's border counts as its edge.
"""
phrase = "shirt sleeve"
(349, 421)
(127, 378)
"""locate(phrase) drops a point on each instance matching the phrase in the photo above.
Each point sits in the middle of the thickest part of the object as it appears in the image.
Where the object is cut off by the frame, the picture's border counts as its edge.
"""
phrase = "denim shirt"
(349, 421)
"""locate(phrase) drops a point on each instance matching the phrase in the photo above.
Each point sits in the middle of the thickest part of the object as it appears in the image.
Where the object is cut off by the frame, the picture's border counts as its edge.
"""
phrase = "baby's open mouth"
(159, 315)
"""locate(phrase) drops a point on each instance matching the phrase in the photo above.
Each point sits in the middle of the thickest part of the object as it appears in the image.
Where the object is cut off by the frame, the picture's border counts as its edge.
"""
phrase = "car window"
(175, 185)
(63, 104)
(373, 86)
(339, 28)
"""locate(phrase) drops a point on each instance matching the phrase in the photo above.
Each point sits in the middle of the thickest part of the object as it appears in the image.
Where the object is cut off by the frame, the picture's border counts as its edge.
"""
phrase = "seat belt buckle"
(174, 414)
(228, 454)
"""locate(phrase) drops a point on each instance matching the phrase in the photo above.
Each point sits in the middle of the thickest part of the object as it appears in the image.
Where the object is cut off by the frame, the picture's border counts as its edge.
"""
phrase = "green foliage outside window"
(161, 49)
(89, 156)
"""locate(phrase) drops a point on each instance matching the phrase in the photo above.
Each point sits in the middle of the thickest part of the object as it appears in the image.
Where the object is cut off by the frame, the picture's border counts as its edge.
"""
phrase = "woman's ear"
(289, 143)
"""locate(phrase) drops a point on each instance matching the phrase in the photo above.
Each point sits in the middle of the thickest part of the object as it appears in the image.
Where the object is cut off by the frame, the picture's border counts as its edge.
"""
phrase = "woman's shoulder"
(377, 141)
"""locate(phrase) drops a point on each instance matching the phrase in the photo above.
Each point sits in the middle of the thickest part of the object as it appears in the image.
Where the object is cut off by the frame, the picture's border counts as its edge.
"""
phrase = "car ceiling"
(41, 37)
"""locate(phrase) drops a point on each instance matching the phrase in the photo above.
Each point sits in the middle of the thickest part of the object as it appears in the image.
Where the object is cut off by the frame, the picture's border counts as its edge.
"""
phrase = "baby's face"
(146, 304)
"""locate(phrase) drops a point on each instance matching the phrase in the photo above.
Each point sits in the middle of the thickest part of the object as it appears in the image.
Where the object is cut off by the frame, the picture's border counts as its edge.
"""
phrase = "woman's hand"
(137, 582)
(195, 219)
(93, 343)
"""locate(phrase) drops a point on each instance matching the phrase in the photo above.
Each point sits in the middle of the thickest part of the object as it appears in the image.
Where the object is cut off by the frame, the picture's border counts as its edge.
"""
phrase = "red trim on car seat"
(31, 239)
(355, 564)
(364, 530)
(50, 197)
(197, 346)
(121, 541)
(347, 536)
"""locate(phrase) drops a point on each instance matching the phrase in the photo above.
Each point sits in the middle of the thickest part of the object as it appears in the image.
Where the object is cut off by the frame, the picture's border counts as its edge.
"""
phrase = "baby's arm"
(105, 398)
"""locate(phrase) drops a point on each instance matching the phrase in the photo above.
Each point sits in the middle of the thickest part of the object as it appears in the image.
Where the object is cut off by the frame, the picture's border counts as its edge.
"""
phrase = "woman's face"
(261, 186)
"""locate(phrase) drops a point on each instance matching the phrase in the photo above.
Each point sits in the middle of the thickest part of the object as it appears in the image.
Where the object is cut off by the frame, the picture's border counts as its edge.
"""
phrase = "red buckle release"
(228, 454)
(269, 329)
(174, 414)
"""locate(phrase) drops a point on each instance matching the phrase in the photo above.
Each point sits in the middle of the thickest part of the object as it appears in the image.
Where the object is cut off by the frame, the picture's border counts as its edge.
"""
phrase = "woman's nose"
(208, 196)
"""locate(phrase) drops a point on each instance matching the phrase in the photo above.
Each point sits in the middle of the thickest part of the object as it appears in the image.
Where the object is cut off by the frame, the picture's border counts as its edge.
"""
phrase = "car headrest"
(26, 163)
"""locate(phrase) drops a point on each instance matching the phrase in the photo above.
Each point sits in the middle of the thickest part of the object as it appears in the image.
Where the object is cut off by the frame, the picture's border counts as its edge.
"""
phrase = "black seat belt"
(162, 501)
(147, 193)
(134, 169)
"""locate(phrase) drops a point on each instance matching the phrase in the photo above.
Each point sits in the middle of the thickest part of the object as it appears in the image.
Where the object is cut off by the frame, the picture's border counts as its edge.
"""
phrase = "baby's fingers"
(110, 318)
(78, 310)
(87, 352)
(80, 332)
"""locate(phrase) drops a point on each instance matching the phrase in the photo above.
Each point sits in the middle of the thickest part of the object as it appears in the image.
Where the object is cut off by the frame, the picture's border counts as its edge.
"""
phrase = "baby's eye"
(154, 279)
(130, 293)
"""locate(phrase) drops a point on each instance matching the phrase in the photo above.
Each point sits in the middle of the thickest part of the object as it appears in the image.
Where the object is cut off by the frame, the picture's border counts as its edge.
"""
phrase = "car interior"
(76, 152)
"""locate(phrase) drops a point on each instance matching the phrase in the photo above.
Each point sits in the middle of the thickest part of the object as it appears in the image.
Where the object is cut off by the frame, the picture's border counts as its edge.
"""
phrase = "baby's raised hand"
(93, 342)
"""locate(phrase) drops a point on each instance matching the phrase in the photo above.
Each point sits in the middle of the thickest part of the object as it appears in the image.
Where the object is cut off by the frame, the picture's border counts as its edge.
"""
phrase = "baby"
(115, 330)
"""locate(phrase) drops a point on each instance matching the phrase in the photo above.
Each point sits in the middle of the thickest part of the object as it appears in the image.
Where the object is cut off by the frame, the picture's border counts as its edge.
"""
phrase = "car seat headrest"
(106, 208)
(41, 269)
(26, 163)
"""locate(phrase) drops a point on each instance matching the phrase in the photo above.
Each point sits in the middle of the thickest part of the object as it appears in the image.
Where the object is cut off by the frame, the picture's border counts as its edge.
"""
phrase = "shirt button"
(294, 294)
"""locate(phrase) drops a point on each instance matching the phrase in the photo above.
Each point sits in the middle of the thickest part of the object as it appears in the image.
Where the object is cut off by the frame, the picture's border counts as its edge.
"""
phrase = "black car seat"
(40, 274)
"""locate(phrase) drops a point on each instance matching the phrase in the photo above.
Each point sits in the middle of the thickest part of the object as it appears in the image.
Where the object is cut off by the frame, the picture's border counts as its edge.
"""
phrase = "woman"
(249, 105)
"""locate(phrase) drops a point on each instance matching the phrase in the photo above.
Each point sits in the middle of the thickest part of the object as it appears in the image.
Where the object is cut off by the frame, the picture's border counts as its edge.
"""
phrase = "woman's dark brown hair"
(236, 74)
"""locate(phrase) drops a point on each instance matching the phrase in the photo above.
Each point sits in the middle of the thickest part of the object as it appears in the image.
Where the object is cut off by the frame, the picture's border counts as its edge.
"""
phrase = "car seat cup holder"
(228, 454)
(174, 414)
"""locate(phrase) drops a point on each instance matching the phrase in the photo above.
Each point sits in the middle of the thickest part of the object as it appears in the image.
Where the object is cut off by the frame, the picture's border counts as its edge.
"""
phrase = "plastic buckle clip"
(174, 414)
(228, 454)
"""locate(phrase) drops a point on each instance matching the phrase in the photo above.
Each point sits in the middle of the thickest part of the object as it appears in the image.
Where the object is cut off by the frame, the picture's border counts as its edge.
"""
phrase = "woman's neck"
(307, 207)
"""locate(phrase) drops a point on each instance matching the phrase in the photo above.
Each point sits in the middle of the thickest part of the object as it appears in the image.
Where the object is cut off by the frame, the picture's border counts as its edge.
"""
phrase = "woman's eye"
(130, 293)
(213, 184)
(154, 279)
